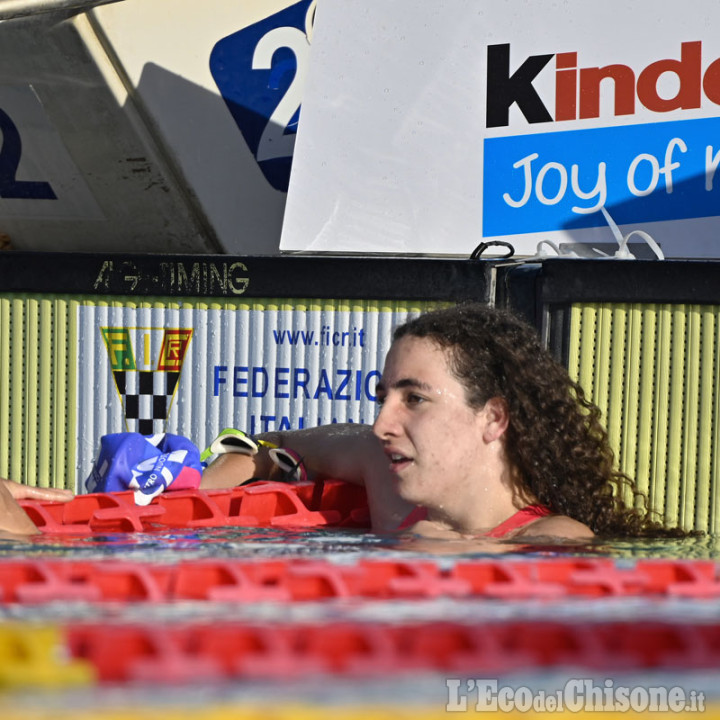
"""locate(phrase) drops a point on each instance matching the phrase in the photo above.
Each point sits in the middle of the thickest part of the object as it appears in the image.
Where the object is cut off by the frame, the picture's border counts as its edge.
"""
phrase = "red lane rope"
(27, 581)
(262, 504)
(186, 652)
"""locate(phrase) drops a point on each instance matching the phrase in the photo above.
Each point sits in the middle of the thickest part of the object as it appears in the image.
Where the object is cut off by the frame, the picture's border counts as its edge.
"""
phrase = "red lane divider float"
(262, 504)
(160, 654)
(298, 580)
(199, 652)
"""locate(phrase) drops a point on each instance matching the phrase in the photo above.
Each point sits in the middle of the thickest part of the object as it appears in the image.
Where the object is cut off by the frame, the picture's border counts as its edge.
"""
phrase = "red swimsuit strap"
(523, 517)
(416, 515)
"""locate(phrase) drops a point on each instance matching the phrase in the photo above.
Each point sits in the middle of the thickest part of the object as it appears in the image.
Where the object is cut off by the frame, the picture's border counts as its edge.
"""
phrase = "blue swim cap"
(147, 464)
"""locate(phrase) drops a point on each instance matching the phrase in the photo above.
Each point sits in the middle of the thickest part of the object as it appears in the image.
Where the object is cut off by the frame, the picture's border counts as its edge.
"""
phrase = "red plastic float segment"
(282, 581)
(594, 577)
(52, 581)
(118, 581)
(343, 497)
(125, 518)
(412, 579)
(82, 508)
(278, 580)
(192, 509)
(174, 664)
(132, 582)
(509, 580)
(278, 505)
(315, 580)
(443, 646)
(292, 505)
(275, 656)
(661, 644)
(42, 582)
(249, 651)
(229, 502)
(48, 518)
(697, 579)
(223, 582)
(348, 648)
(95, 512)
(130, 653)
(552, 643)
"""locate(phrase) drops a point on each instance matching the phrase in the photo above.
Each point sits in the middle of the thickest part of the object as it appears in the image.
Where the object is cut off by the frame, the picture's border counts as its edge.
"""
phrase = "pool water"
(331, 543)
(419, 692)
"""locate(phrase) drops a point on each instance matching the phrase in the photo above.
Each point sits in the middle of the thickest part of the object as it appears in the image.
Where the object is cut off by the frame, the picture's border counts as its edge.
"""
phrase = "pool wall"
(641, 337)
(94, 344)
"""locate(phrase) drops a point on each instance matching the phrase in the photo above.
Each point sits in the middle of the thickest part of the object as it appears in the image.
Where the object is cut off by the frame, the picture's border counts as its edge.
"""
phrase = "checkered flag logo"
(146, 388)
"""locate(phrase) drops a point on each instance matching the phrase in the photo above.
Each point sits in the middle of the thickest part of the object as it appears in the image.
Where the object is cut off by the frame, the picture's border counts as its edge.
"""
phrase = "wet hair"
(555, 441)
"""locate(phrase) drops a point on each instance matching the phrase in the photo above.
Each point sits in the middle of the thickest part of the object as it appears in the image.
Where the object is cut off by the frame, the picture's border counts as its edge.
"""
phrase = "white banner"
(197, 369)
(430, 127)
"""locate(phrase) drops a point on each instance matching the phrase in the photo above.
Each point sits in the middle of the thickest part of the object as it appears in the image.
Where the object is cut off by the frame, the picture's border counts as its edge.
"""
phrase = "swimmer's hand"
(233, 469)
(230, 469)
(13, 519)
(25, 492)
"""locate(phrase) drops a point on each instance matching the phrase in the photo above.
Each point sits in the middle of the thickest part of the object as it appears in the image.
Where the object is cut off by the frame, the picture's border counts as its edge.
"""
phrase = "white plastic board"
(431, 127)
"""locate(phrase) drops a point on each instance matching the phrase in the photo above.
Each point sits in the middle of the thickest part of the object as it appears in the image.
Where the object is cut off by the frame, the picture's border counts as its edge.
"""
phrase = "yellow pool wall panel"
(653, 370)
(37, 379)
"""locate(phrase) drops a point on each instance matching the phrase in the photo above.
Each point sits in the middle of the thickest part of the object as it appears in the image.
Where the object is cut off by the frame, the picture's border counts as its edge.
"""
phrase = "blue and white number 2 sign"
(260, 72)
(10, 156)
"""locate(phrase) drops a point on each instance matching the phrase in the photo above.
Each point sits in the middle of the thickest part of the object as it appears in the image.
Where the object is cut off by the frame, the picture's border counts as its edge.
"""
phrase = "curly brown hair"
(555, 440)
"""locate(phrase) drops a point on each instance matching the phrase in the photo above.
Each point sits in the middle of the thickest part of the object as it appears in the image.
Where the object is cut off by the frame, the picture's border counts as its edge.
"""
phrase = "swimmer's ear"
(497, 418)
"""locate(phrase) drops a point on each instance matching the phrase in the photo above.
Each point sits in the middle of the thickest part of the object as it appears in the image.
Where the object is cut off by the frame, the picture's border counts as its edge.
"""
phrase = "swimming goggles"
(231, 440)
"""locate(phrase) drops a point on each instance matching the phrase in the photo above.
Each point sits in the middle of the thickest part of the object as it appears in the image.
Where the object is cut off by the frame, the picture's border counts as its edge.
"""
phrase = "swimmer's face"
(430, 435)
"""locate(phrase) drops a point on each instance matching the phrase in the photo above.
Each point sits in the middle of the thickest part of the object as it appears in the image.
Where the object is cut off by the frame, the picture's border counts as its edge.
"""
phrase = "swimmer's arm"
(348, 452)
(351, 452)
(341, 451)
(227, 471)
(337, 451)
(345, 451)
(13, 519)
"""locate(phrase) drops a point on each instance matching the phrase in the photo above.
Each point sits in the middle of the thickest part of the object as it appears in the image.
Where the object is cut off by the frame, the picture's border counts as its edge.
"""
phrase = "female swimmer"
(480, 432)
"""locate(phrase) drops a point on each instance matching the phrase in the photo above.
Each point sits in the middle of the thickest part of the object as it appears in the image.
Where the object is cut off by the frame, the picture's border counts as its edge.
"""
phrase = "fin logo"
(577, 90)
(260, 72)
(146, 365)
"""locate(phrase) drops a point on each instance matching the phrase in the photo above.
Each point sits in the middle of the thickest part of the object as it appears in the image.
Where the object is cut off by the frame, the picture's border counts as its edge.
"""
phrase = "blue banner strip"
(640, 173)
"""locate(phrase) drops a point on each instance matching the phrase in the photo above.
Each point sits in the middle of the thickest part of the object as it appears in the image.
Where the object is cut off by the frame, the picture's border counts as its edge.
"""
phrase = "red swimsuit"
(523, 517)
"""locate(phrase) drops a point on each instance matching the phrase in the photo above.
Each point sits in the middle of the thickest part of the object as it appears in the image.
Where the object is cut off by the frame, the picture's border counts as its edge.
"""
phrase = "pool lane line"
(40, 581)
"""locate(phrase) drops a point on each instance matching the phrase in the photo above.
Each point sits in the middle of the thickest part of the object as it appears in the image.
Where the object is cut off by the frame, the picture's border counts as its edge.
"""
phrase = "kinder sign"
(577, 90)
(431, 128)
